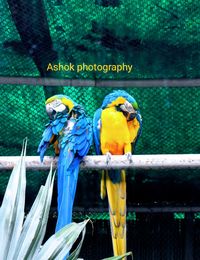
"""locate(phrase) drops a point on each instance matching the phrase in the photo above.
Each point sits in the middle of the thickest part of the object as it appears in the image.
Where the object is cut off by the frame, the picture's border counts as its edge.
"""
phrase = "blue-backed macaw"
(116, 126)
(70, 131)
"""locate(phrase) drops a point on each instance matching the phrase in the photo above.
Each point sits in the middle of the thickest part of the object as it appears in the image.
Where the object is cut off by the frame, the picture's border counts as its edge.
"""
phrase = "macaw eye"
(125, 113)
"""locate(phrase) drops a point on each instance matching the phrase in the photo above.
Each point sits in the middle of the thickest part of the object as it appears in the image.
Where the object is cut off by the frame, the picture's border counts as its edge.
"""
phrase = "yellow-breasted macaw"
(116, 127)
(70, 131)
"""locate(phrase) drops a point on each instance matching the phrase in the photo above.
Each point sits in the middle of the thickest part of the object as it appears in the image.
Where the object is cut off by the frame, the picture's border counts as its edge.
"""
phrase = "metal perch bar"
(36, 81)
(157, 161)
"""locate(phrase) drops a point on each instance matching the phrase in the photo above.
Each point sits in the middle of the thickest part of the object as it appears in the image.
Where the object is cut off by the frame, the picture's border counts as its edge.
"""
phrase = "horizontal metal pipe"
(37, 81)
(144, 209)
(156, 161)
(136, 209)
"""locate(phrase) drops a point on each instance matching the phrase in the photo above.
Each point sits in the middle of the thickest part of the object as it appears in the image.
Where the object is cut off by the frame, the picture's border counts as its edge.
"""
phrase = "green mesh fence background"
(171, 120)
(160, 39)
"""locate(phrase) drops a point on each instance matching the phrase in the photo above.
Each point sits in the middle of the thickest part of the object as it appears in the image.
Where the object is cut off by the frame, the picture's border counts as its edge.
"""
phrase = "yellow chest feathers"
(115, 128)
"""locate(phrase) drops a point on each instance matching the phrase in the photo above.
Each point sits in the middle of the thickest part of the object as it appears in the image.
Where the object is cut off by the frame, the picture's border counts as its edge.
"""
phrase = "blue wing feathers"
(46, 137)
(52, 128)
(63, 120)
(74, 146)
(96, 130)
(139, 118)
(80, 139)
(83, 151)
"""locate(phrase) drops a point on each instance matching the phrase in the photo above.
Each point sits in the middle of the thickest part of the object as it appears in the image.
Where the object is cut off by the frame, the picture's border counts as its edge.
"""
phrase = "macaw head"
(58, 104)
(128, 110)
(123, 102)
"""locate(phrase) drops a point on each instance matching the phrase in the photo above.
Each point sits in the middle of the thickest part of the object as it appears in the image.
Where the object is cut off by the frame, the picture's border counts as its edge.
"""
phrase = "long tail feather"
(117, 208)
(67, 183)
(103, 185)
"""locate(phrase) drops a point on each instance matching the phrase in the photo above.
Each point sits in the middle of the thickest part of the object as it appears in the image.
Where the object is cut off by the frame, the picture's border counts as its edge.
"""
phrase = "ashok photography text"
(83, 67)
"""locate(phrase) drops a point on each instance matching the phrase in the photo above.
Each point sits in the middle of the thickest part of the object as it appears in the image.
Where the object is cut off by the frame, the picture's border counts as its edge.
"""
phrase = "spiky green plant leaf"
(35, 225)
(59, 244)
(12, 208)
(76, 252)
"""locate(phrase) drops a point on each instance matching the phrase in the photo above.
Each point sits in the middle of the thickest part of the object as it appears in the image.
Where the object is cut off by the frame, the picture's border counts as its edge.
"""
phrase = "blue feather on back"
(96, 130)
(114, 95)
(44, 143)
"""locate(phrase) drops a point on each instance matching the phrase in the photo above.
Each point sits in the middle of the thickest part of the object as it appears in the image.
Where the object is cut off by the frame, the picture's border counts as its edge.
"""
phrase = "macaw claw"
(108, 157)
(129, 157)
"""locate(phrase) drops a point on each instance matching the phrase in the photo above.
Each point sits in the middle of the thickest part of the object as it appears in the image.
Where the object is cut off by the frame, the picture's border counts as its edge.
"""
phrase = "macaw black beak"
(128, 111)
(131, 116)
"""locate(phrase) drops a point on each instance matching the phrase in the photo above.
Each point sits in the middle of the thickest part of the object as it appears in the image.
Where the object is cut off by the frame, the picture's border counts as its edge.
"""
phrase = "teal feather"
(96, 130)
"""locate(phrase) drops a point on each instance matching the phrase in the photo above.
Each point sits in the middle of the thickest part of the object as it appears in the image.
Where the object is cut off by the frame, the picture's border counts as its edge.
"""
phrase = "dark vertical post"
(31, 22)
(189, 232)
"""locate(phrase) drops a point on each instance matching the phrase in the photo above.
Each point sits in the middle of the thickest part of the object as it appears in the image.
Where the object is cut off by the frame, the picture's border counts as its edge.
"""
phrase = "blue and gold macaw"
(116, 126)
(70, 131)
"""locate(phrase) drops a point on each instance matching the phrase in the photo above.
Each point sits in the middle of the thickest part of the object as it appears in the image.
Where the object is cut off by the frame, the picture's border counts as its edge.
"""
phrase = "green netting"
(171, 121)
(131, 216)
(160, 39)
(179, 215)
